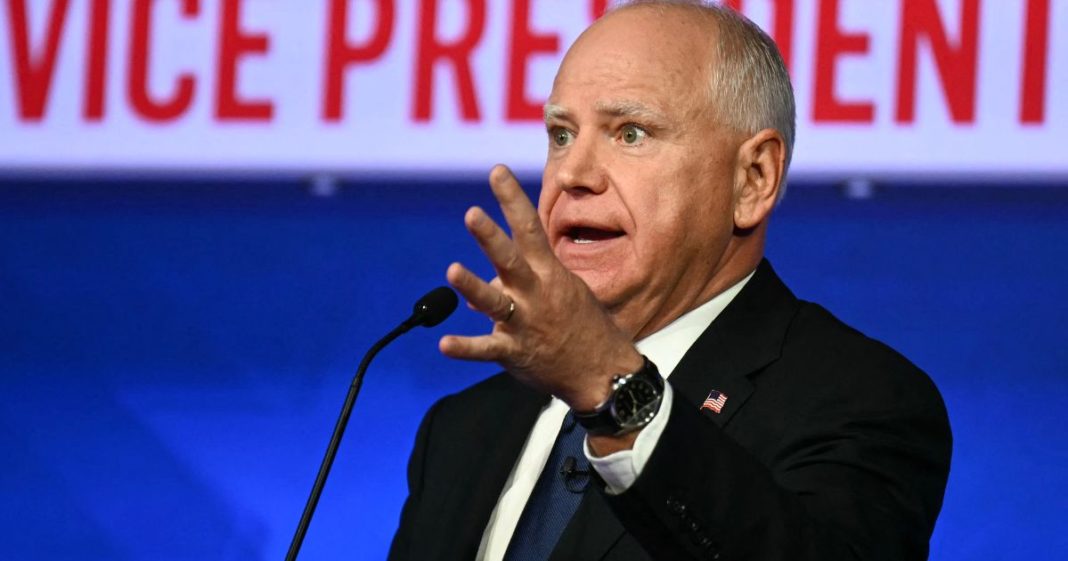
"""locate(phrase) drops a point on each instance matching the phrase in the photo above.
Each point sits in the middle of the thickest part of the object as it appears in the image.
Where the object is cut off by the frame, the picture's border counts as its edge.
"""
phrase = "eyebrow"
(553, 112)
(625, 108)
(618, 108)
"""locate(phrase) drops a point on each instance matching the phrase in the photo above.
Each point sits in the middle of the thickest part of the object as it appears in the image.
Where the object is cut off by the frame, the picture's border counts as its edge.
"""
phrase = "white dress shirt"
(620, 470)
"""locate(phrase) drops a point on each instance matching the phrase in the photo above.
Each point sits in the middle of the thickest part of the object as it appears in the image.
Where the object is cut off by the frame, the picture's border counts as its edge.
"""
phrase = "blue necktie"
(555, 498)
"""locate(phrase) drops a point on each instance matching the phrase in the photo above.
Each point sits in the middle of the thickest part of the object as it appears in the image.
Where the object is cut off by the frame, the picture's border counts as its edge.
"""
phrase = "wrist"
(598, 391)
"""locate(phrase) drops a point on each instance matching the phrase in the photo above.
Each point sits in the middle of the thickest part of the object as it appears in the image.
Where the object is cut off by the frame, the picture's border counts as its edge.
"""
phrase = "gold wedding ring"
(511, 310)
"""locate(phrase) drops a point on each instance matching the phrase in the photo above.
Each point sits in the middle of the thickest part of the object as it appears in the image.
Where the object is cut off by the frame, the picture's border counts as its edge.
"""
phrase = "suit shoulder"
(494, 386)
(842, 360)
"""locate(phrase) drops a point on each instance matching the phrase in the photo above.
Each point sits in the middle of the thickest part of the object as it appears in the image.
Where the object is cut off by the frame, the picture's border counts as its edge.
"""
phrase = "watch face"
(635, 403)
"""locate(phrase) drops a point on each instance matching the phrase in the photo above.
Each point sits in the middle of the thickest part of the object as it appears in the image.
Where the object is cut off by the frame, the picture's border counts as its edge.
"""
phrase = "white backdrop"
(895, 87)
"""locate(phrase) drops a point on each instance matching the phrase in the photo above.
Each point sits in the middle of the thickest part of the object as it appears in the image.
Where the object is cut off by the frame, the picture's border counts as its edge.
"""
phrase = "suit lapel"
(746, 336)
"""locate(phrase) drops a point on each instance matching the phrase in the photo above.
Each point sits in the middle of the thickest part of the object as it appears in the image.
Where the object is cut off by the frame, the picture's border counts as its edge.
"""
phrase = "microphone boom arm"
(430, 310)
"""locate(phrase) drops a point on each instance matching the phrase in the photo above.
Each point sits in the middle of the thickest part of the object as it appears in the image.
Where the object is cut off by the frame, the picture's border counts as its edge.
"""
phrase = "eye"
(632, 135)
(560, 136)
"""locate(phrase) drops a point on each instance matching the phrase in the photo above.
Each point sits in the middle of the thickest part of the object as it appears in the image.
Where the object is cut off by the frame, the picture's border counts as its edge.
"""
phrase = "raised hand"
(549, 330)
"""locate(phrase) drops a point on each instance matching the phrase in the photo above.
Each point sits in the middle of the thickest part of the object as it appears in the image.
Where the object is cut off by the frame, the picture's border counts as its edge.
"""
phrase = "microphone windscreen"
(435, 306)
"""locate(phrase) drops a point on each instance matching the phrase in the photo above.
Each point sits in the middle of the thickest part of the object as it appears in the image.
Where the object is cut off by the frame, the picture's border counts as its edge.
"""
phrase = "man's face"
(637, 191)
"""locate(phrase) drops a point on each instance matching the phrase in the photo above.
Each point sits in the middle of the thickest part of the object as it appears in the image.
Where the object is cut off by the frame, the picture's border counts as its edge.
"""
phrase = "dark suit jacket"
(830, 446)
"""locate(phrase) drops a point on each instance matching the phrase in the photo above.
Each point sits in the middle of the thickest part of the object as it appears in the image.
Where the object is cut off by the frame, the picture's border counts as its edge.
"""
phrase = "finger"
(488, 348)
(480, 296)
(498, 247)
(496, 283)
(519, 212)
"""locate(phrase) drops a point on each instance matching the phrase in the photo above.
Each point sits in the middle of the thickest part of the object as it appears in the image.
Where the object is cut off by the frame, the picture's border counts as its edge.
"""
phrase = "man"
(780, 433)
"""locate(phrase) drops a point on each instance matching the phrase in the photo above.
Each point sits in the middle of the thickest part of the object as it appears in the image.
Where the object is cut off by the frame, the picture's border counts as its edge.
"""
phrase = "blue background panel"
(173, 354)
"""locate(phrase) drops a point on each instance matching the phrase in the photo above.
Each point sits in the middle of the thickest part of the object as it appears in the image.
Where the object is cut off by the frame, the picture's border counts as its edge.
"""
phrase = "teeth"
(583, 241)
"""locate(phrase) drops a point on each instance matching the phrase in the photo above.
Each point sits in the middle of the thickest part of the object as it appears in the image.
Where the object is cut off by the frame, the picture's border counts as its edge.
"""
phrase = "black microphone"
(433, 308)
(429, 311)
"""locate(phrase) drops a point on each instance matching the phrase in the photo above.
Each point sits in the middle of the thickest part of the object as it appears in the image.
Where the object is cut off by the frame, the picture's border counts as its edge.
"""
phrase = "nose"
(580, 167)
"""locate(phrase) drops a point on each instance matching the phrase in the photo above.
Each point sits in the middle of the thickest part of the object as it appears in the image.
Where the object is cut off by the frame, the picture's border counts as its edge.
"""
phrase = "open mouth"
(583, 235)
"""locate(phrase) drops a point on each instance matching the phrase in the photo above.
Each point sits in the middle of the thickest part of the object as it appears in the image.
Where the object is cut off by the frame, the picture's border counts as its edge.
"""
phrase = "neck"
(738, 261)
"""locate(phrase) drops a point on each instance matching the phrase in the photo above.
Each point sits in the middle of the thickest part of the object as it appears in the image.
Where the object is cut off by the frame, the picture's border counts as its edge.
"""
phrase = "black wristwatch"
(633, 403)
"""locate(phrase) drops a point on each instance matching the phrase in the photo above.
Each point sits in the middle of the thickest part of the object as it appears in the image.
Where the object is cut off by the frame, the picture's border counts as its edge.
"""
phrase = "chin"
(605, 285)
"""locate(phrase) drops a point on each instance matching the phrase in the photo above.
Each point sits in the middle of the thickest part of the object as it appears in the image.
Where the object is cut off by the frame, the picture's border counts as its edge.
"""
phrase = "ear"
(761, 165)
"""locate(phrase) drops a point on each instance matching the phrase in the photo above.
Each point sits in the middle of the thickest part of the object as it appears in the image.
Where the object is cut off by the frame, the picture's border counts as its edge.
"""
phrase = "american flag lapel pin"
(715, 401)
